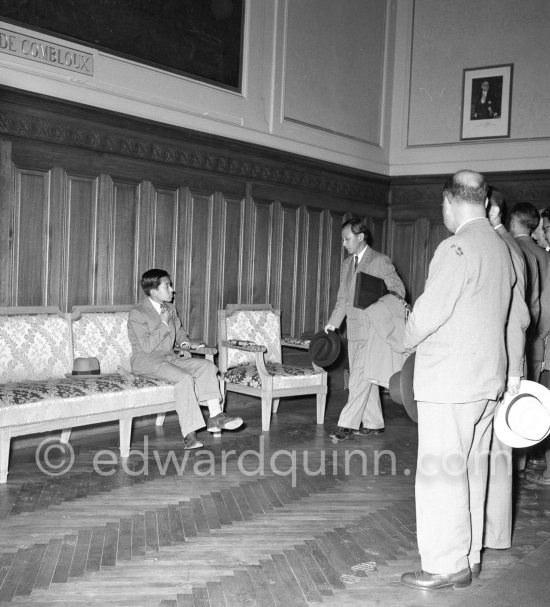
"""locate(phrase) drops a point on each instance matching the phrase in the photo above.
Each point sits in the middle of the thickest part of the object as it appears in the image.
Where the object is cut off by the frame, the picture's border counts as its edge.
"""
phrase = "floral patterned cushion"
(105, 336)
(296, 341)
(259, 326)
(285, 376)
(34, 346)
(32, 392)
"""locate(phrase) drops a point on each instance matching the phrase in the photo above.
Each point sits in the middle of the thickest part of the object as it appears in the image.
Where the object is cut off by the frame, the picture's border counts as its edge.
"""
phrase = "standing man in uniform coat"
(363, 404)
(458, 327)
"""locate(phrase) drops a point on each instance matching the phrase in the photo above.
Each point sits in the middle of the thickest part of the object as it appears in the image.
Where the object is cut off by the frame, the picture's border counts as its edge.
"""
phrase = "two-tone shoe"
(223, 422)
(190, 441)
(422, 580)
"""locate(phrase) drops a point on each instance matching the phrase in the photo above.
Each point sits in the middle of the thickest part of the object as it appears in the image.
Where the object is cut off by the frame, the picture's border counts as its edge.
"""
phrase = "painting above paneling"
(197, 38)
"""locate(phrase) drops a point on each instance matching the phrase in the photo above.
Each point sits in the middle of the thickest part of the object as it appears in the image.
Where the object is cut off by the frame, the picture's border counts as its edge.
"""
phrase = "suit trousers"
(195, 381)
(451, 482)
(498, 509)
(364, 397)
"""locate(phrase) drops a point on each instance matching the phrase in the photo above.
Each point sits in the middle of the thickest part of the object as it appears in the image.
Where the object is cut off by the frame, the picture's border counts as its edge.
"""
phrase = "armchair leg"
(266, 413)
(125, 432)
(65, 436)
(160, 419)
(275, 404)
(321, 405)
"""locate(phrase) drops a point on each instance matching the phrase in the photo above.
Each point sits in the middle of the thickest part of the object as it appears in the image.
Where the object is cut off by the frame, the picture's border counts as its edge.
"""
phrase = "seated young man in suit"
(154, 328)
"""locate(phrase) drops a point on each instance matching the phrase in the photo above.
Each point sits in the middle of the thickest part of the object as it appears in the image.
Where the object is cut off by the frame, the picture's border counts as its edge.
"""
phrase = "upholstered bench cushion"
(25, 403)
(34, 346)
(105, 336)
(247, 375)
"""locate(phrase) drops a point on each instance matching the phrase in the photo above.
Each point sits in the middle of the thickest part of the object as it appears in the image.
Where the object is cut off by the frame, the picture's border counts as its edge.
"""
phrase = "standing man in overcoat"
(363, 406)
(458, 327)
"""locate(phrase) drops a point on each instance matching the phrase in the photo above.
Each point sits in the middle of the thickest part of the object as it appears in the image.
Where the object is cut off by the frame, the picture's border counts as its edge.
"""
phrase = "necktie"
(355, 260)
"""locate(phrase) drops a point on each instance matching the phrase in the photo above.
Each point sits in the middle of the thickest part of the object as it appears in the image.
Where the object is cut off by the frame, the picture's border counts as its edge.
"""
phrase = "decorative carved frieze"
(57, 131)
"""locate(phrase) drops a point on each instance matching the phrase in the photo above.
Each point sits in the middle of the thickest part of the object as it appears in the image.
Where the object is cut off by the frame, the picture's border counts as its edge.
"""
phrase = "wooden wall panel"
(259, 238)
(231, 235)
(287, 238)
(32, 229)
(403, 239)
(125, 257)
(335, 256)
(165, 212)
(199, 256)
(310, 269)
(81, 254)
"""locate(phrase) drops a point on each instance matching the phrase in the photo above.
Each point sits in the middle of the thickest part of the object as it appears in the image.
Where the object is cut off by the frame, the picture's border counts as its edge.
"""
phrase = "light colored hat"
(523, 420)
(85, 367)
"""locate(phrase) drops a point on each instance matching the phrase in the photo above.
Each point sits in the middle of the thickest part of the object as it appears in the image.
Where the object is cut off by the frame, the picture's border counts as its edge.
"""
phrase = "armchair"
(250, 359)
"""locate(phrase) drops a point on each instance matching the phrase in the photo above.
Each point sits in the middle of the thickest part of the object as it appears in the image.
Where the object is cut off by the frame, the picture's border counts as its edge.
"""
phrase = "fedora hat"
(85, 367)
(401, 388)
(523, 420)
(324, 348)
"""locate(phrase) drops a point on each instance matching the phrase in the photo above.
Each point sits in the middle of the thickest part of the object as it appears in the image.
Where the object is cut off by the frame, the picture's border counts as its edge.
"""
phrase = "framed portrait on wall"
(486, 102)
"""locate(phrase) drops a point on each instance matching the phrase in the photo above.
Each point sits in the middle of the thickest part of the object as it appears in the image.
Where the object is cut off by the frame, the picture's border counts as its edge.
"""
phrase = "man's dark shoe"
(341, 433)
(223, 422)
(369, 431)
(435, 581)
(190, 441)
(476, 570)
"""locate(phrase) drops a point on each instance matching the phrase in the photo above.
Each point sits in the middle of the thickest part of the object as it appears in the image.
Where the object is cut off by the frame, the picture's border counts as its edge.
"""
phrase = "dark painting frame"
(200, 39)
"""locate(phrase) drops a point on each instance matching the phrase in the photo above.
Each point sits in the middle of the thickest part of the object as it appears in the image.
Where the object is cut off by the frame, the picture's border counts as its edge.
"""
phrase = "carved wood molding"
(95, 137)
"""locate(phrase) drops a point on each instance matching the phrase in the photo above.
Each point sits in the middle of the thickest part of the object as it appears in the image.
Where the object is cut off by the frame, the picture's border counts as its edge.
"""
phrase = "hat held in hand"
(523, 419)
(324, 348)
(85, 367)
(401, 388)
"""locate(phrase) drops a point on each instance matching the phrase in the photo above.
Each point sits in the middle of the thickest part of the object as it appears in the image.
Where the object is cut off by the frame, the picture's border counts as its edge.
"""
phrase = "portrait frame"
(486, 102)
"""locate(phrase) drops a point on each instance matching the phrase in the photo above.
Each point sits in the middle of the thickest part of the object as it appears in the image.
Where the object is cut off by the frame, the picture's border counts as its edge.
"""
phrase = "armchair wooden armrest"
(295, 342)
(246, 346)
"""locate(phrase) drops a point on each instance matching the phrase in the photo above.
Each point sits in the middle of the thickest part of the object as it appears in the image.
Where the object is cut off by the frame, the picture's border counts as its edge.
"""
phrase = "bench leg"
(160, 419)
(5, 438)
(65, 436)
(125, 431)
(275, 404)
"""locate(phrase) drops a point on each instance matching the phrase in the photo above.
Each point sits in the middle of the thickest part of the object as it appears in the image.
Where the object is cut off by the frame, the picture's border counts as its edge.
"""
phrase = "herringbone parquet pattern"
(277, 519)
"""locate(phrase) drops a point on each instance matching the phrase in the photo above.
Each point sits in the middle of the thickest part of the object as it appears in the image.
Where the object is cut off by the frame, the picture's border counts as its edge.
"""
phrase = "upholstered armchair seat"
(250, 359)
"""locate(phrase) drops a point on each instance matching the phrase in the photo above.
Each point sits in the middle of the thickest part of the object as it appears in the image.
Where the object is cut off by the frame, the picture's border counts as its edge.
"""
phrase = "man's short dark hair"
(151, 280)
(526, 215)
(358, 226)
(467, 186)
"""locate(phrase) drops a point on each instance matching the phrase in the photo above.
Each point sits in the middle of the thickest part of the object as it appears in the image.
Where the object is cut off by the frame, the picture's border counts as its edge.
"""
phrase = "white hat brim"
(500, 425)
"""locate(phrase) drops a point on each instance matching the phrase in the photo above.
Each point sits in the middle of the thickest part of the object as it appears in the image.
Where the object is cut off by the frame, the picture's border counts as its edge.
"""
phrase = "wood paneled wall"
(90, 200)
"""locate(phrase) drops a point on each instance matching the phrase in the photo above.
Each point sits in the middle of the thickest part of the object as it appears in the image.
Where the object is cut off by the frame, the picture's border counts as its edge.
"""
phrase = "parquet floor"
(280, 519)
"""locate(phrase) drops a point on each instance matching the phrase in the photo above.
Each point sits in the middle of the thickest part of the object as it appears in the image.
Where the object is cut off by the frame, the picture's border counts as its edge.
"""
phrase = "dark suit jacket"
(152, 340)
